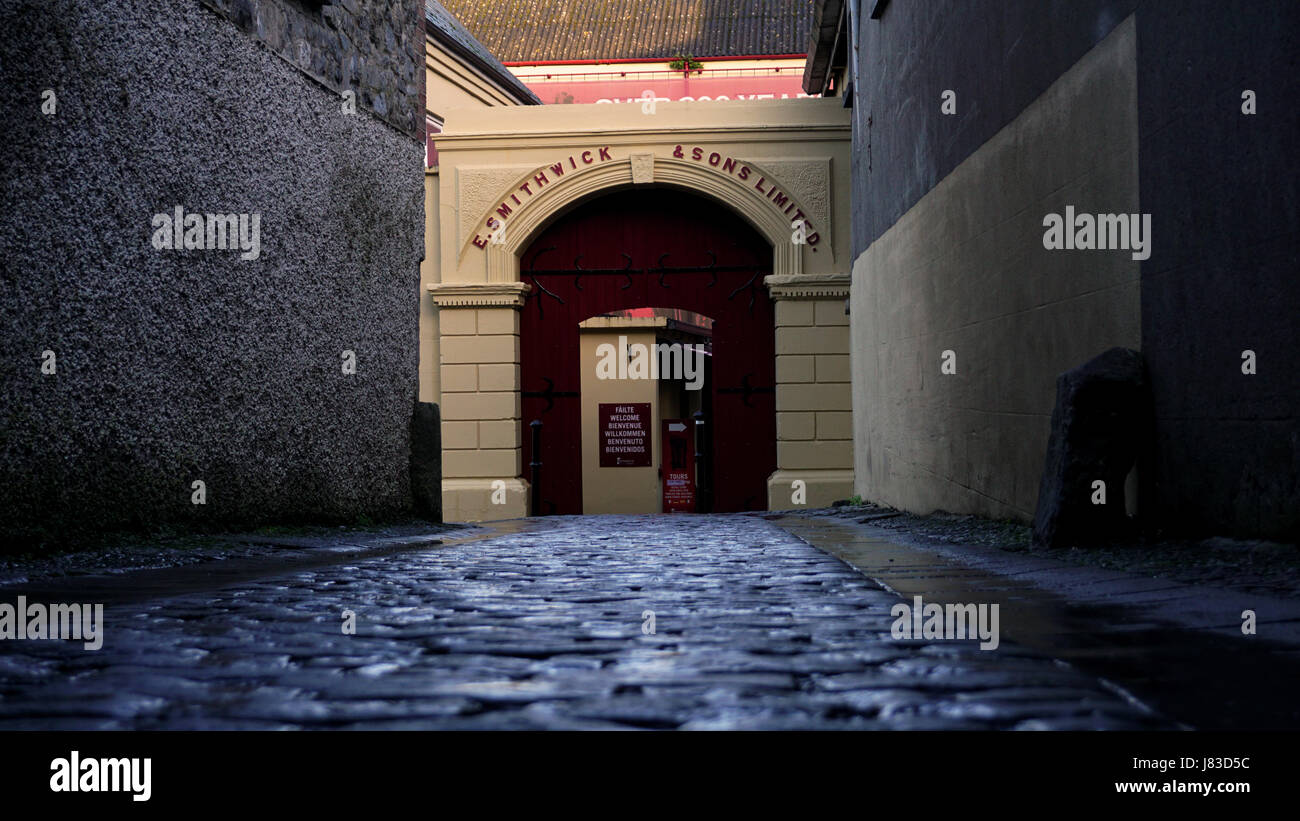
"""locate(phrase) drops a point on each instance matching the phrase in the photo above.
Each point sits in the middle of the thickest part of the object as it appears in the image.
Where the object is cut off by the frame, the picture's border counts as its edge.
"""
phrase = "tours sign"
(624, 434)
(678, 466)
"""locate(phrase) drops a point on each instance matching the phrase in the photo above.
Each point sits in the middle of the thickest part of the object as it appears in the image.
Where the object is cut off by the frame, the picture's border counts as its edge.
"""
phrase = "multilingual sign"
(624, 435)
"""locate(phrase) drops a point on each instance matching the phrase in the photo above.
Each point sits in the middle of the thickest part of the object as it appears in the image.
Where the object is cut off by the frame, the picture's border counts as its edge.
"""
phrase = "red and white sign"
(678, 466)
(666, 86)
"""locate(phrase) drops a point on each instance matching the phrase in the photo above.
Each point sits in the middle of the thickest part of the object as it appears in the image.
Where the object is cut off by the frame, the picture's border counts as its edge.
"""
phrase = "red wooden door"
(652, 248)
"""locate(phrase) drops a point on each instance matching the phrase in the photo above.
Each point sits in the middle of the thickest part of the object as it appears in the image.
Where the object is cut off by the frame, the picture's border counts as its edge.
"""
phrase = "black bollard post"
(701, 480)
(536, 465)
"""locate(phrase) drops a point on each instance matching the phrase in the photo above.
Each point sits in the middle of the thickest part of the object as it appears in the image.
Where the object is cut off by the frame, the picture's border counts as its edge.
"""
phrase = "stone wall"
(178, 366)
(375, 48)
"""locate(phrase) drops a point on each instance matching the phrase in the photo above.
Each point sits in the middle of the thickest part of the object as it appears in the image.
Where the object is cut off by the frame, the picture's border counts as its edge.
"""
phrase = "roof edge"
(493, 69)
(828, 18)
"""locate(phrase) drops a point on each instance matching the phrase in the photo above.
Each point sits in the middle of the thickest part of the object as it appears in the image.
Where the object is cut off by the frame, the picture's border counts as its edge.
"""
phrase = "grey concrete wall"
(998, 56)
(965, 270)
(182, 365)
(1219, 185)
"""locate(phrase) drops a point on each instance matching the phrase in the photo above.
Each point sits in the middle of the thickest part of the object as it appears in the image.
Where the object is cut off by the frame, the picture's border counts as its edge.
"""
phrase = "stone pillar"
(482, 456)
(430, 390)
(814, 415)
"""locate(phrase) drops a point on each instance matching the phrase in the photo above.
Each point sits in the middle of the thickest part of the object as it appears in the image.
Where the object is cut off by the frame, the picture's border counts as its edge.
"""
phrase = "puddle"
(1201, 679)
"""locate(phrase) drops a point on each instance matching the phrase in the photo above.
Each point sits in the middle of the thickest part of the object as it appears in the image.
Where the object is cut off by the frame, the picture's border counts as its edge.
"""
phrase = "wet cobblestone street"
(543, 629)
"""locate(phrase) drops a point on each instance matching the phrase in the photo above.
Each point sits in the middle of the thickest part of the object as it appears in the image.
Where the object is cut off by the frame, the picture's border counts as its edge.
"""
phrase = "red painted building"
(637, 51)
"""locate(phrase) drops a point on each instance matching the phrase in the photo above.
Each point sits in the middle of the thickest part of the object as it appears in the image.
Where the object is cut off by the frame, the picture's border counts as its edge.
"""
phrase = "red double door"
(660, 248)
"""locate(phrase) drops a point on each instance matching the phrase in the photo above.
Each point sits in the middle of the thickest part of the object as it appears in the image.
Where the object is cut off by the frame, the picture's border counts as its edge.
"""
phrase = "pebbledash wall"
(177, 366)
(475, 292)
(1110, 106)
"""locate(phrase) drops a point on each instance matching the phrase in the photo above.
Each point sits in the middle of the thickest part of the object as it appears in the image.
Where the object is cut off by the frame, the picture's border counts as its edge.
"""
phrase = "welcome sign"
(624, 435)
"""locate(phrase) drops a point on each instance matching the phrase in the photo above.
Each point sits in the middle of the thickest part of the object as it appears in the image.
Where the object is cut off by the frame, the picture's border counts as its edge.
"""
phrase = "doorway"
(652, 249)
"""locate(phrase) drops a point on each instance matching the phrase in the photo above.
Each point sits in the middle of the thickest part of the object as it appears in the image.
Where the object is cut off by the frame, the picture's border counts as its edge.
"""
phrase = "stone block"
(1102, 412)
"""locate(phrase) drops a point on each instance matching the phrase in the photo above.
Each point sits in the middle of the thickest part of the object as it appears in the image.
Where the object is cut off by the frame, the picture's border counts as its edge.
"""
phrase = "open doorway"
(645, 396)
(628, 252)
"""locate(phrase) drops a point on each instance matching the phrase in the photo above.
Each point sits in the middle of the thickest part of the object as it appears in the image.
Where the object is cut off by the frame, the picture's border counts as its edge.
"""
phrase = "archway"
(636, 248)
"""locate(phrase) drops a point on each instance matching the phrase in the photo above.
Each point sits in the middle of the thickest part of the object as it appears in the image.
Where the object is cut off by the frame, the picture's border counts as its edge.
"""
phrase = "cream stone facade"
(814, 414)
(450, 83)
(506, 173)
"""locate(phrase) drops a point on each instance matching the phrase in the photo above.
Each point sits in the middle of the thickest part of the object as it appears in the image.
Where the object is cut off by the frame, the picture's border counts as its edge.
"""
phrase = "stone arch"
(554, 200)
